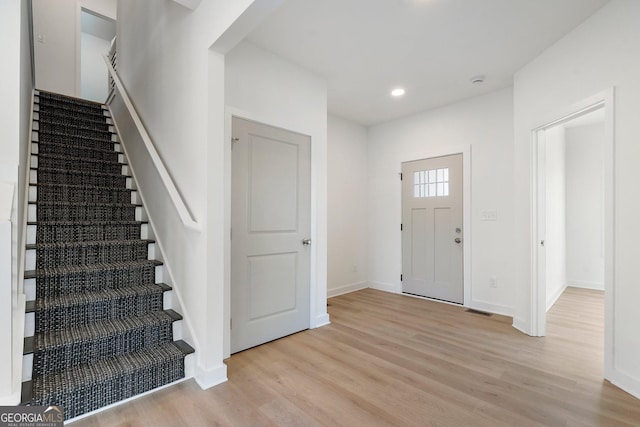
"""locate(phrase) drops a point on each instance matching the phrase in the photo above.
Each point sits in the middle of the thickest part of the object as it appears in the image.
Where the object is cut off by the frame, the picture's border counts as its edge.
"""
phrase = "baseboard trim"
(387, 287)
(212, 377)
(521, 326)
(321, 320)
(625, 382)
(345, 289)
(491, 308)
(586, 285)
(555, 297)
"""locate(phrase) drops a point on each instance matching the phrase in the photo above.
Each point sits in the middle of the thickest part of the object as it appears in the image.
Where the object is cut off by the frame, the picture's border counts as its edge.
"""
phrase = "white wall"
(347, 211)
(599, 54)
(261, 86)
(585, 191)
(55, 24)
(486, 124)
(15, 93)
(177, 87)
(555, 210)
(93, 76)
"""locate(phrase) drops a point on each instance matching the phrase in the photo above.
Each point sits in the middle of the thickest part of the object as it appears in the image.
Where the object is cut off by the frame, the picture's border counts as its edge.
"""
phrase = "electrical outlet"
(493, 282)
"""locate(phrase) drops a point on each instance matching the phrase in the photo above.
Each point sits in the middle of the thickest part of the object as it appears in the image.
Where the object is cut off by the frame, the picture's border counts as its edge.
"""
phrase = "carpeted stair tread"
(60, 161)
(98, 252)
(86, 142)
(76, 231)
(83, 193)
(46, 272)
(81, 131)
(53, 282)
(74, 177)
(62, 245)
(58, 211)
(65, 311)
(53, 116)
(88, 387)
(96, 153)
(68, 99)
(70, 122)
(70, 108)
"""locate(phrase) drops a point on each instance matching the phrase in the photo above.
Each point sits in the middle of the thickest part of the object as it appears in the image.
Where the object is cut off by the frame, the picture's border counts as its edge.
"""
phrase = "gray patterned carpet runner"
(101, 332)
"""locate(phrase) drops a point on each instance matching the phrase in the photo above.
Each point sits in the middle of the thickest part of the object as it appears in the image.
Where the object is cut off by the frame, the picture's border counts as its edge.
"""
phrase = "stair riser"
(89, 195)
(54, 286)
(86, 312)
(87, 212)
(80, 233)
(66, 109)
(56, 124)
(72, 131)
(43, 104)
(76, 141)
(78, 178)
(62, 116)
(78, 164)
(36, 259)
(112, 153)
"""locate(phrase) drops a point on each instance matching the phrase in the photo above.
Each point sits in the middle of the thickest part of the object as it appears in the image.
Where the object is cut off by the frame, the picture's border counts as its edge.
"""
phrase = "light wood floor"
(394, 360)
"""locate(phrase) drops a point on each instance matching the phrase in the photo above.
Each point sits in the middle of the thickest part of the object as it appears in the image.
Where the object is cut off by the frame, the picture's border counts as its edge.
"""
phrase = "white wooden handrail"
(181, 207)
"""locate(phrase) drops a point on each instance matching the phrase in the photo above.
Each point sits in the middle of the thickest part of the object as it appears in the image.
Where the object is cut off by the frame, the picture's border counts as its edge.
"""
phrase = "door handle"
(457, 240)
(306, 242)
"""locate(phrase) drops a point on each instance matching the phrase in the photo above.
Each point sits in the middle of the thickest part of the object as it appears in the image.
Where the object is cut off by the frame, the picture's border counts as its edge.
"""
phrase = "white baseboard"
(387, 287)
(212, 377)
(321, 320)
(625, 382)
(491, 308)
(521, 325)
(599, 286)
(345, 289)
(555, 297)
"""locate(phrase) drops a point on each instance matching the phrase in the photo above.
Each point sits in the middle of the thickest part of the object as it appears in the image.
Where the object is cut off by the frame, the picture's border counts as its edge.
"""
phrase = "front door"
(270, 231)
(432, 234)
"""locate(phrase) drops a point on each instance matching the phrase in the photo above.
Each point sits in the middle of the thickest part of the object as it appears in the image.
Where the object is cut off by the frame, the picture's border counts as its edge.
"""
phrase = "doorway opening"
(572, 211)
(97, 34)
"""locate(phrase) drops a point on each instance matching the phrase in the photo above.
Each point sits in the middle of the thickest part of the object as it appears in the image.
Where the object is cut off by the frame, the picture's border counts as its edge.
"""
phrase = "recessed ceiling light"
(397, 92)
(476, 80)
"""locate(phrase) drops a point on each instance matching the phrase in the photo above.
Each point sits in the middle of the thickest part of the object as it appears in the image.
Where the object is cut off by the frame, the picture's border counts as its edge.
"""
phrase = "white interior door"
(432, 234)
(270, 233)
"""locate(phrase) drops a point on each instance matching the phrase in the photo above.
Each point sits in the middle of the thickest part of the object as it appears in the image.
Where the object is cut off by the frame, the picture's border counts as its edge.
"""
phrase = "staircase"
(101, 333)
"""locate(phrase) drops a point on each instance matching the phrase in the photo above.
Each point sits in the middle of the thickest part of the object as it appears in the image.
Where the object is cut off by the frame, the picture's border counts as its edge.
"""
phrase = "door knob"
(306, 242)
(457, 240)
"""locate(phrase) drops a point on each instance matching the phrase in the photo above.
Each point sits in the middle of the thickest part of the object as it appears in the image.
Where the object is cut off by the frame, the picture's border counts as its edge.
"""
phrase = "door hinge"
(401, 277)
(400, 226)
(400, 176)
(233, 140)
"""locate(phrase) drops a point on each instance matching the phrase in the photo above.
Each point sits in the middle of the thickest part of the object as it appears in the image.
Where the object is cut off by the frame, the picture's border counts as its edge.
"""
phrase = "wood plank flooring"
(393, 360)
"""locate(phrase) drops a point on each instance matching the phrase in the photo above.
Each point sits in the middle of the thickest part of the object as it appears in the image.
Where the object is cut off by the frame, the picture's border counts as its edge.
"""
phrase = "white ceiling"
(432, 48)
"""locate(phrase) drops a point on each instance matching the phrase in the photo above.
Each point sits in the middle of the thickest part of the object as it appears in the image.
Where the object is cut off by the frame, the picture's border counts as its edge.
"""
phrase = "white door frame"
(538, 315)
(465, 150)
(317, 318)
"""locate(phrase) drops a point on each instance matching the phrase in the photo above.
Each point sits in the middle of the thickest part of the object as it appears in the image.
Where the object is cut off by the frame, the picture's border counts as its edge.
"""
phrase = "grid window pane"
(431, 183)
